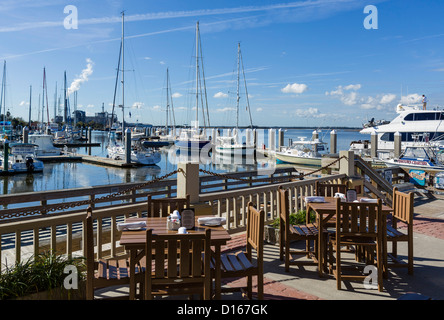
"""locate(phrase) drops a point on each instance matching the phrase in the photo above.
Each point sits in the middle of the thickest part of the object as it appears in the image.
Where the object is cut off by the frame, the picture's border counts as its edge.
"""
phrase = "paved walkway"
(305, 284)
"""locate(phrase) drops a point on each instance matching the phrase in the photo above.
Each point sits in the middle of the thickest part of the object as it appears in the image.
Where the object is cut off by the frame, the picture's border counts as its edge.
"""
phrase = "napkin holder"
(188, 220)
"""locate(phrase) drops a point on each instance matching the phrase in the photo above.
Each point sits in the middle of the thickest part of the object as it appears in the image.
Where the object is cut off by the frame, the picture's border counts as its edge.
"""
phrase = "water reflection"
(67, 175)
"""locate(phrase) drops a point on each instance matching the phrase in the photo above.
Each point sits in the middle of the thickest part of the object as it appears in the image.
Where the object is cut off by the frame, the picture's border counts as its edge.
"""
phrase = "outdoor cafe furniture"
(162, 207)
(357, 224)
(242, 264)
(325, 210)
(179, 264)
(308, 232)
(134, 241)
(402, 213)
(106, 273)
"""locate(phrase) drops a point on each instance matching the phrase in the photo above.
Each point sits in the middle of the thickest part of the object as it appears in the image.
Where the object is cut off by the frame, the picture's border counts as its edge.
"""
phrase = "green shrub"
(296, 218)
(40, 273)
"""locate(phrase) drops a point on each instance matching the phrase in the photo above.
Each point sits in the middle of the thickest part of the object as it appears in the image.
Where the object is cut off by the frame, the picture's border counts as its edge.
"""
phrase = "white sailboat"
(21, 158)
(139, 154)
(166, 135)
(194, 138)
(233, 145)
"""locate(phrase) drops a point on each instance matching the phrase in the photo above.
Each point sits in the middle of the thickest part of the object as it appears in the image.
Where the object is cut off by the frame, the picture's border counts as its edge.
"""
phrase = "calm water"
(68, 175)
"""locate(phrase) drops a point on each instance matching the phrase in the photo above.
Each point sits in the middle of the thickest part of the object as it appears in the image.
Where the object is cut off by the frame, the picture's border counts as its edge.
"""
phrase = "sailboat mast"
(30, 100)
(197, 72)
(168, 102)
(237, 99)
(3, 94)
(65, 102)
(123, 74)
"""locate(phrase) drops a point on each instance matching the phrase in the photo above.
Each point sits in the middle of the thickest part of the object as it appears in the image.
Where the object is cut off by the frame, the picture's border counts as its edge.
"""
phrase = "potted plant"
(272, 230)
(42, 277)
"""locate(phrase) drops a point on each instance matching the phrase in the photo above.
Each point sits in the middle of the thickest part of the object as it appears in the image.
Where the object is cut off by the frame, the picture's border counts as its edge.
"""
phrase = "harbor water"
(67, 175)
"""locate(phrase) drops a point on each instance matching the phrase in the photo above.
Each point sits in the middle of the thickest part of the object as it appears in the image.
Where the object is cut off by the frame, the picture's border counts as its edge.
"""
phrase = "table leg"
(320, 246)
(132, 275)
(217, 275)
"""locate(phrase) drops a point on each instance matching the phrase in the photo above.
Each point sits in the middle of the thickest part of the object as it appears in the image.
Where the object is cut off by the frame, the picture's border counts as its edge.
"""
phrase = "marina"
(142, 149)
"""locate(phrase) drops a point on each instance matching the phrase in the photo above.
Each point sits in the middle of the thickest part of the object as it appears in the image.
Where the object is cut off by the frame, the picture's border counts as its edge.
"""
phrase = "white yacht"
(45, 145)
(139, 154)
(410, 121)
(21, 158)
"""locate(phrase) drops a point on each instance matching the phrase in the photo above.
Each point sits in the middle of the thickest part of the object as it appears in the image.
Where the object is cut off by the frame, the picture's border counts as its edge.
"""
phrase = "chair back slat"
(358, 219)
(165, 206)
(329, 189)
(403, 206)
(255, 227)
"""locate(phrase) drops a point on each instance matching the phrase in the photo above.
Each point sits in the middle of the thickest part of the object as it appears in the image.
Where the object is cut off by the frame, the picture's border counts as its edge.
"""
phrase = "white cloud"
(225, 109)
(137, 105)
(90, 106)
(388, 98)
(259, 109)
(308, 113)
(295, 88)
(348, 98)
(220, 95)
(156, 107)
(23, 103)
(176, 95)
(413, 98)
(147, 58)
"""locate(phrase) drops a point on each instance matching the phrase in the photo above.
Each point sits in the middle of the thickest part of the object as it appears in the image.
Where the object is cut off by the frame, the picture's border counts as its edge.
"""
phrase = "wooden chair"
(180, 264)
(163, 207)
(402, 212)
(289, 233)
(358, 224)
(329, 189)
(104, 273)
(242, 264)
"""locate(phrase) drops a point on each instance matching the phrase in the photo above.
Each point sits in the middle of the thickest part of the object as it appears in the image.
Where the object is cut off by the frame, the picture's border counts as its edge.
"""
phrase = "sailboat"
(138, 153)
(194, 138)
(6, 129)
(232, 145)
(168, 136)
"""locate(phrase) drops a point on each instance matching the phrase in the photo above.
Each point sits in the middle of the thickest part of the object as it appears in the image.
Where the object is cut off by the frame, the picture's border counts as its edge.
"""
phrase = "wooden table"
(134, 242)
(324, 212)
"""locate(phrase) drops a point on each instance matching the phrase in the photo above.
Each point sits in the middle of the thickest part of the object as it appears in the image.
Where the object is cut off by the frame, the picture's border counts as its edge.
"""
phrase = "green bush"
(296, 218)
(40, 273)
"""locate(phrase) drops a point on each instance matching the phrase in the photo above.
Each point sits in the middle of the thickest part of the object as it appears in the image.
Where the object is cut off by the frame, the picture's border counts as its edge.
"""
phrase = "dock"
(105, 161)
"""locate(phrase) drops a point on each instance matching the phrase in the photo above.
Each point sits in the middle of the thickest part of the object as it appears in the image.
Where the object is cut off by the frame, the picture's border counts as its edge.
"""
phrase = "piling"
(333, 142)
(25, 134)
(89, 139)
(127, 146)
(272, 140)
(374, 144)
(397, 145)
(6, 156)
(314, 137)
(188, 181)
(280, 138)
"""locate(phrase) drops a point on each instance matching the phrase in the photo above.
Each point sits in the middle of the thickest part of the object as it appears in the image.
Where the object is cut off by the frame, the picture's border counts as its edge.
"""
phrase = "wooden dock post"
(25, 134)
(280, 139)
(397, 145)
(271, 140)
(374, 144)
(333, 141)
(127, 146)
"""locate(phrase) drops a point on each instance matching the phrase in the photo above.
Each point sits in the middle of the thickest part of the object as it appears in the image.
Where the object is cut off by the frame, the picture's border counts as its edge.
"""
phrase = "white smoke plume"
(75, 85)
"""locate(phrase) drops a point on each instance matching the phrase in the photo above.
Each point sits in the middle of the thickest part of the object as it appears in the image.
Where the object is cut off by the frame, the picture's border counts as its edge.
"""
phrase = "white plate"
(215, 224)
(134, 228)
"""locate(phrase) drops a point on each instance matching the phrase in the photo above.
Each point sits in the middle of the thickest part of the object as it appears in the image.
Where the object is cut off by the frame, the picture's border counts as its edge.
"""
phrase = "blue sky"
(307, 63)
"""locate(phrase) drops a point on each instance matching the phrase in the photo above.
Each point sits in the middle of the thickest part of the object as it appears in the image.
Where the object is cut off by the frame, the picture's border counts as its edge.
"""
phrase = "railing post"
(188, 181)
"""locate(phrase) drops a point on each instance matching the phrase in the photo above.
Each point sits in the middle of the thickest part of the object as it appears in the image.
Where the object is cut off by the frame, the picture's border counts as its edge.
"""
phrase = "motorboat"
(410, 121)
(139, 154)
(422, 157)
(45, 145)
(21, 158)
(302, 152)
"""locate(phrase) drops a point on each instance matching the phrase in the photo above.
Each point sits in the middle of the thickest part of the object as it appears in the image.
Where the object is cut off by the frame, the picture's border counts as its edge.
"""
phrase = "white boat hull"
(236, 150)
(294, 159)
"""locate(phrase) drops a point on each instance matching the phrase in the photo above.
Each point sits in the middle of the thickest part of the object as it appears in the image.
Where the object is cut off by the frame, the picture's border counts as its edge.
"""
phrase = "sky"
(314, 63)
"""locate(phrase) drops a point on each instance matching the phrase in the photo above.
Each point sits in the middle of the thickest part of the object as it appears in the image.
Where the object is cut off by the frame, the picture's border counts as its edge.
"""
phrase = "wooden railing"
(16, 207)
(63, 233)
